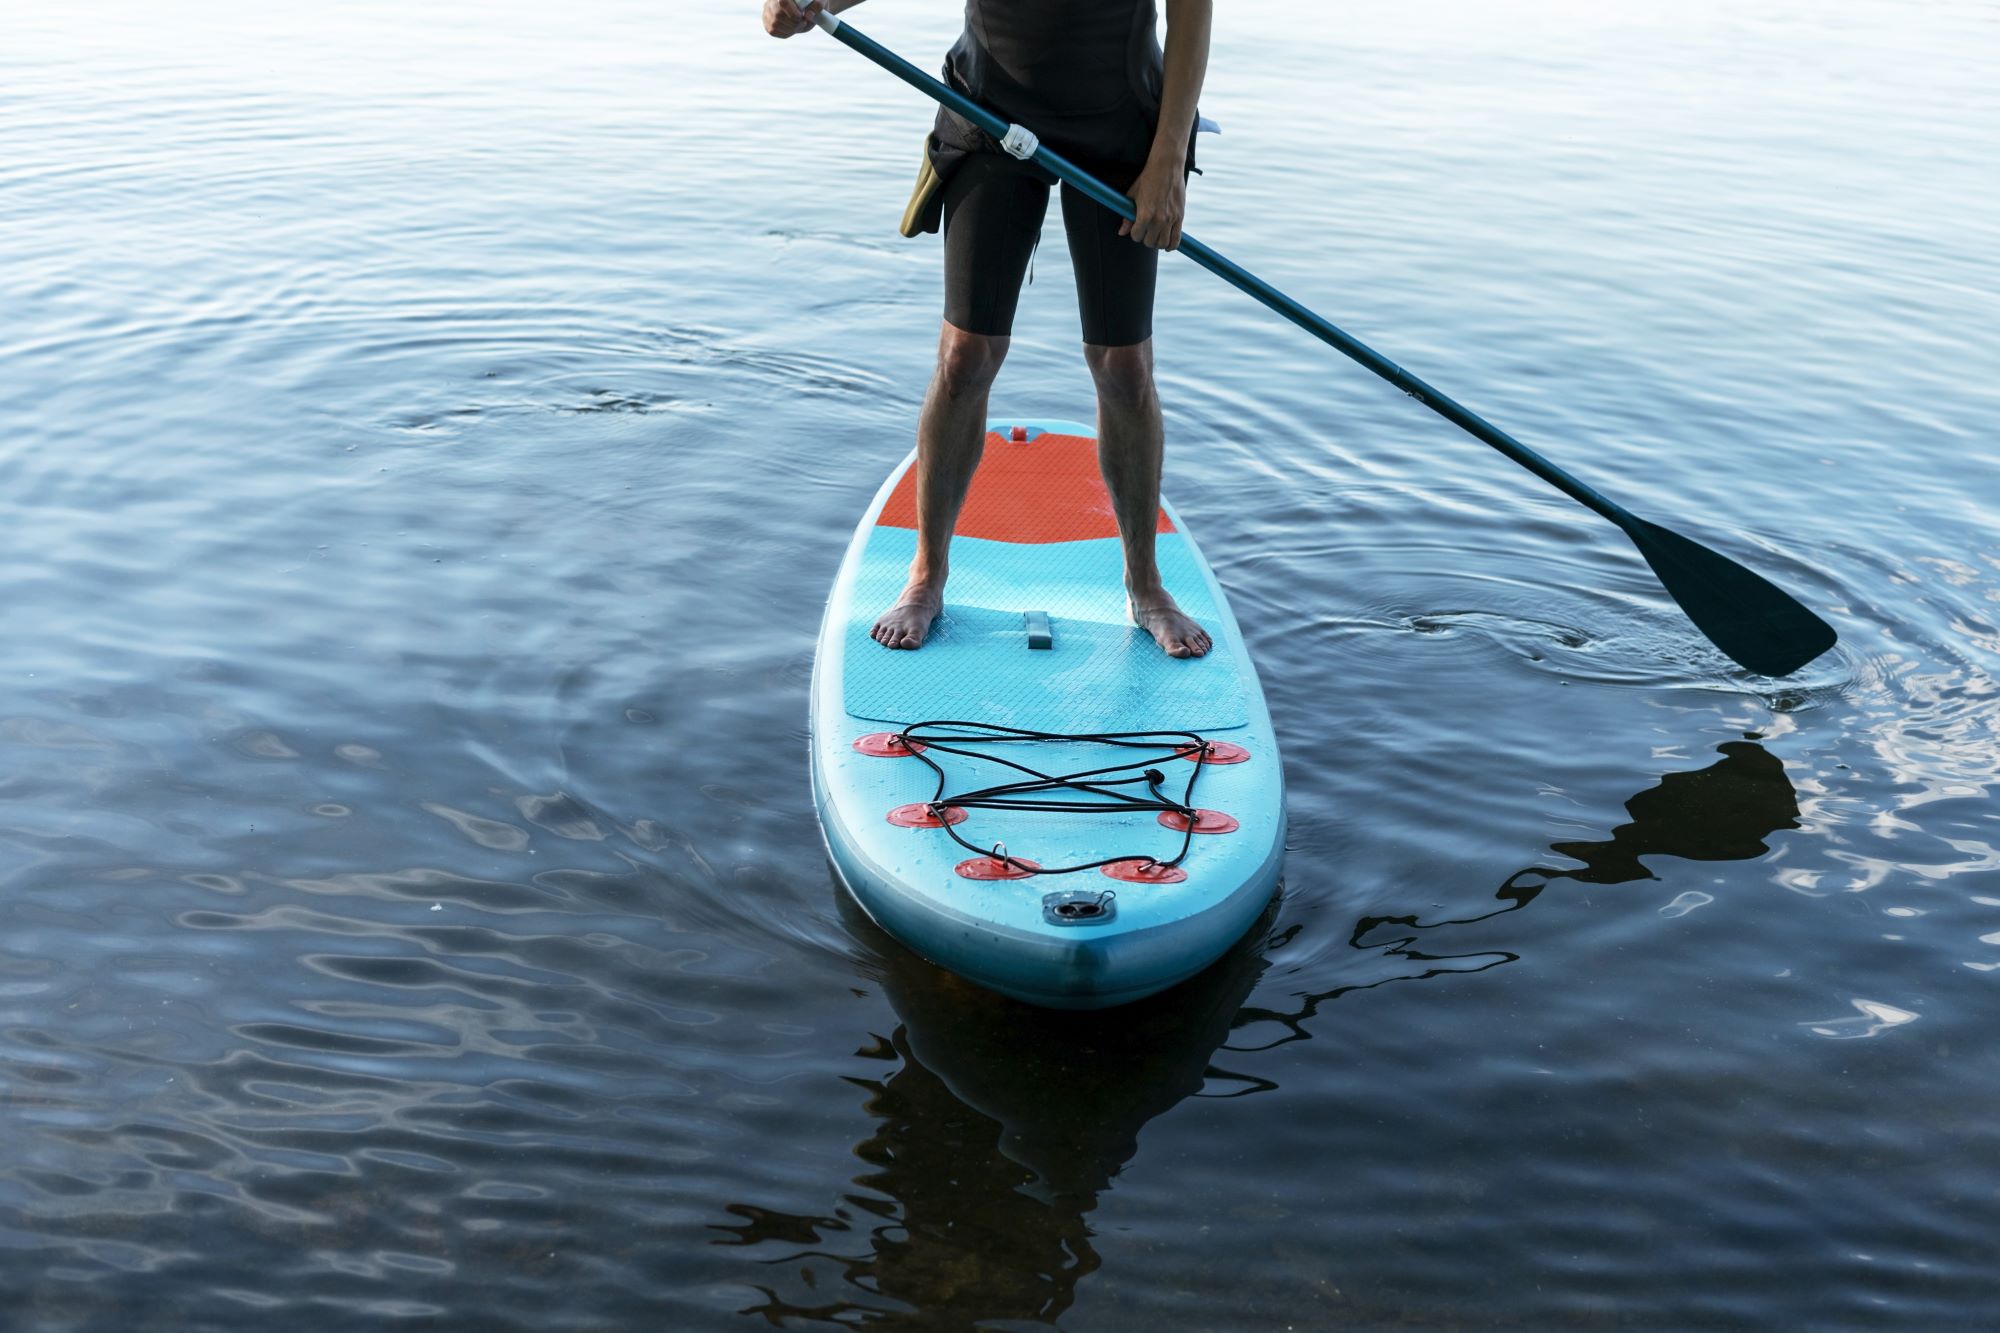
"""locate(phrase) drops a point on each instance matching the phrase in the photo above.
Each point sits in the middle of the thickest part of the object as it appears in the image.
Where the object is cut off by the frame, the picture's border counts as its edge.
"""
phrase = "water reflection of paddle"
(1720, 813)
(996, 1125)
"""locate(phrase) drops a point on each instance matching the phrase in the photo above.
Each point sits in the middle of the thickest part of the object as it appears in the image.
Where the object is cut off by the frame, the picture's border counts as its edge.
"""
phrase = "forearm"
(1188, 23)
(836, 6)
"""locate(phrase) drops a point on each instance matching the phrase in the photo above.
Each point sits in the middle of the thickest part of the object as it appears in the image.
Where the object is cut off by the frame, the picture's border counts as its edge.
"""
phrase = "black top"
(1084, 75)
(1059, 59)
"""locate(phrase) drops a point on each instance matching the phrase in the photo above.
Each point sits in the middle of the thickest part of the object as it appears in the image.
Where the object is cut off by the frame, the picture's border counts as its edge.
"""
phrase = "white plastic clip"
(1021, 142)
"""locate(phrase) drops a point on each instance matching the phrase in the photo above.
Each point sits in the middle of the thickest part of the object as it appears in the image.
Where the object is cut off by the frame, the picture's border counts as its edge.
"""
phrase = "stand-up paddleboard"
(1039, 798)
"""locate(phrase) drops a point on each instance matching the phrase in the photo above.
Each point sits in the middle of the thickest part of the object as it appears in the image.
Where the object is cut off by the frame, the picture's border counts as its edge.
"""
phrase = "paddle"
(1762, 627)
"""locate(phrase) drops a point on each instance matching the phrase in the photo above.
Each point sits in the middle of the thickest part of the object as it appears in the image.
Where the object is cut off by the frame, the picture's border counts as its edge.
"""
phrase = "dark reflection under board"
(997, 1126)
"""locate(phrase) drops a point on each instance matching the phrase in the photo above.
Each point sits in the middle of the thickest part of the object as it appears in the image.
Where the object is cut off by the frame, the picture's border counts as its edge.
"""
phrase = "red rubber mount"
(992, 867)
(920, 816)
(886, 745)
(1205, 821)
(1145, 872)
(1219, 752)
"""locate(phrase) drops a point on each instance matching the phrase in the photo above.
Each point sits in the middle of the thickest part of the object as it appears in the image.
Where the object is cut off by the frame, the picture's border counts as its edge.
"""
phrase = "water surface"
(429, 434)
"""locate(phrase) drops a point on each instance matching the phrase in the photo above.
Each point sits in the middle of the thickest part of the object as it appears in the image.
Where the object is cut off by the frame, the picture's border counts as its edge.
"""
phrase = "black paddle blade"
(1760, 625)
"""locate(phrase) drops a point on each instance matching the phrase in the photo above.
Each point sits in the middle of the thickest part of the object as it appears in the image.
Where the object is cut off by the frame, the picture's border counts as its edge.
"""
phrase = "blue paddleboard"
(1035, 641)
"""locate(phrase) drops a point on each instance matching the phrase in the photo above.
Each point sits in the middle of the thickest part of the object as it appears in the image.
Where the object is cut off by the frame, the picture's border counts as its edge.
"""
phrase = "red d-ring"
(1138, 870)
(1219, 752)
(992, 867)
(1205, 821)
(920, 816)
(1018, 435)
(886, 745)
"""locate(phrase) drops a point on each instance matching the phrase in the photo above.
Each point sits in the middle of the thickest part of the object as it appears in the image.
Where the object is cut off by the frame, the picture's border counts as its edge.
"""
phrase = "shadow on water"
(996, 1126)
(1720, 813)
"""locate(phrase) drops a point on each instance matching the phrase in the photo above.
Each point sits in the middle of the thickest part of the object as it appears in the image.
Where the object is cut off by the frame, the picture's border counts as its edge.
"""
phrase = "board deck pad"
(1101, 673)
(1036, 533)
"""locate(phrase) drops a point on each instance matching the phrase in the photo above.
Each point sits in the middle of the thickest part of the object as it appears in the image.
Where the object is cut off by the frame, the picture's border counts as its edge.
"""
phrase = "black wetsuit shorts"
(993, 210)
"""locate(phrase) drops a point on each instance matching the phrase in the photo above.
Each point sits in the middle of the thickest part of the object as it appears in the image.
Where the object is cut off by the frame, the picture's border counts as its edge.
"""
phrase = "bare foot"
(1172, 628)
(905, 624)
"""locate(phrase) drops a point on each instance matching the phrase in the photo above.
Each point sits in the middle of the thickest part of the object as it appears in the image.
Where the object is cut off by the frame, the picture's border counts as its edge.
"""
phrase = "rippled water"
(428, 437)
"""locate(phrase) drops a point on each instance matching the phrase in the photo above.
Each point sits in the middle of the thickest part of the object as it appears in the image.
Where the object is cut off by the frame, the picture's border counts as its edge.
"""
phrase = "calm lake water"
(429, 433)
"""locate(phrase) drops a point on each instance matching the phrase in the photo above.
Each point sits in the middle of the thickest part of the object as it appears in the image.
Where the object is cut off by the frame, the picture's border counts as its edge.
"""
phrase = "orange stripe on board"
(1046, 490)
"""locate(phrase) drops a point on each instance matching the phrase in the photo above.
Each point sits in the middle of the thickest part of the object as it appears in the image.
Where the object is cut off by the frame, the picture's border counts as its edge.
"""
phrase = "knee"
(1124, 375)
(968, 362)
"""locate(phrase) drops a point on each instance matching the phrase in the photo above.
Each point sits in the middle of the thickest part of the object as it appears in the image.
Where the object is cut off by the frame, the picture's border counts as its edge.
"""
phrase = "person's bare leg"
(1131, 442)
(951, 434)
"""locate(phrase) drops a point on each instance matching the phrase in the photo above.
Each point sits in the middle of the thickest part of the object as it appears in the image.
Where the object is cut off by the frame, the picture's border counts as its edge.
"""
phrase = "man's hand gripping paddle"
(1762, 627)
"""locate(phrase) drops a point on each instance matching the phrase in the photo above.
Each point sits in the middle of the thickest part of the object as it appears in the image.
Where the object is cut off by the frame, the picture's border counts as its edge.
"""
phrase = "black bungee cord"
(1094, 781)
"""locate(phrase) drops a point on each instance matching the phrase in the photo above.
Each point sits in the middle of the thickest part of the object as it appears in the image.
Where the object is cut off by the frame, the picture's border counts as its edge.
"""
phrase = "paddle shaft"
(1240, 278)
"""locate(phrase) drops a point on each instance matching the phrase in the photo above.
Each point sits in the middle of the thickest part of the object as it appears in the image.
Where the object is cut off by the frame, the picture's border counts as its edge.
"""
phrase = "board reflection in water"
(996, 1127)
